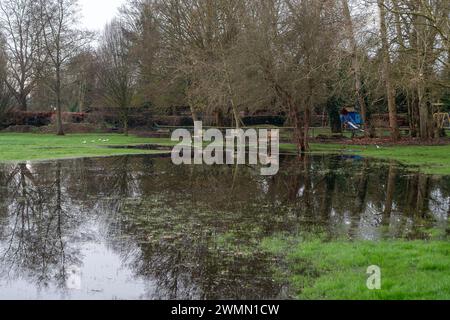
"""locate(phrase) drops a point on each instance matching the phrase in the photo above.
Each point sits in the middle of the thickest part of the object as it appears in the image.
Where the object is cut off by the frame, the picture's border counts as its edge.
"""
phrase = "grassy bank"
(415, 270)
(20, 147)
(427, 159)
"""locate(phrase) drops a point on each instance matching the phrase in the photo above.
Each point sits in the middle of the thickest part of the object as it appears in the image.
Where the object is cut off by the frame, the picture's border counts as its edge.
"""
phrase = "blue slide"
(353, 120)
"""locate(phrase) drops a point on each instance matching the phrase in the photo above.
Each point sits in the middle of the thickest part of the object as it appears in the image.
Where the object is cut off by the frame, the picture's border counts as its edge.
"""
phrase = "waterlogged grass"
(417, 270)
(427, 159)
(20, 147)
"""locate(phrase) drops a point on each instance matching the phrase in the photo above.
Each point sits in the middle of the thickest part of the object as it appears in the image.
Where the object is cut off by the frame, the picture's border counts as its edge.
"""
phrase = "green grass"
(427, 159)
(19, 147)
(417, 270)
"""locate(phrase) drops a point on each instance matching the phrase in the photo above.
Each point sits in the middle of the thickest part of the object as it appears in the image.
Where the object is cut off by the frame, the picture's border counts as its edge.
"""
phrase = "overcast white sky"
(96, 13)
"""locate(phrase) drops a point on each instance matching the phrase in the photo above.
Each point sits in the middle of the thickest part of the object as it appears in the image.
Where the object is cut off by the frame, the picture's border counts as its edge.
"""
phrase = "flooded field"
(138, 227)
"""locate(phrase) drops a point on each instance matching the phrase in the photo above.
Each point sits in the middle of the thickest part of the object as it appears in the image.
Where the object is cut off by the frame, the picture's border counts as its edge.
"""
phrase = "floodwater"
(138, 227)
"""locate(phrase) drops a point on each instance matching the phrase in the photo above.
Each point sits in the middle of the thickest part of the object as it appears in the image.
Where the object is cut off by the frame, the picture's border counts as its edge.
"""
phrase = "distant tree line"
(227, 57)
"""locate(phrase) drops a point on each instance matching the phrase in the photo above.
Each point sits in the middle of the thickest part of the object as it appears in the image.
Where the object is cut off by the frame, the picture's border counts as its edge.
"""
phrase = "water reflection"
(141, 228)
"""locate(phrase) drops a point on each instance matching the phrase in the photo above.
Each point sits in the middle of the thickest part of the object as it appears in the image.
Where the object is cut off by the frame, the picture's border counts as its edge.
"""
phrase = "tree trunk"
(309, 106)
(398, 25)
(194, 114)
(423, 70)
(125, 119)
(125, 127)
(299, 138)
(422, 106)
(424, 111)
(59, 124)
(23, 103)
(295, 118)
(81, 96)
(356, 65)
(393, 123)
(237, 118)
(413, 114)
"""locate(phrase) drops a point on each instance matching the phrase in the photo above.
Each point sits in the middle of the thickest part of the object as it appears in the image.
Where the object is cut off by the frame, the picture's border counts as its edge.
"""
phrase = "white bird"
(378, 147)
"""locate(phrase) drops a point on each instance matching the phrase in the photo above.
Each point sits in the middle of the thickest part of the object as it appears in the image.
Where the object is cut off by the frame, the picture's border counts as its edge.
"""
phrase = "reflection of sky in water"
(102, 275)
(140, 228)
(439, 205)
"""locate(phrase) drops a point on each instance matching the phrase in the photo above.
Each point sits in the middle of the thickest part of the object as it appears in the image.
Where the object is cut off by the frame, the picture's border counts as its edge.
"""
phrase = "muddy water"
(136, 227)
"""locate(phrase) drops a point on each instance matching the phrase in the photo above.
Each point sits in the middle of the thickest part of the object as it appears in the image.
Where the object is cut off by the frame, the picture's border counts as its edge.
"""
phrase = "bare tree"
(420, 50)
(390, 90)
(118, 71)
(141, 24)
(356, 66)
(62, 42)
(5, 95)
(293, 43)
(203, 35)
(19, 22)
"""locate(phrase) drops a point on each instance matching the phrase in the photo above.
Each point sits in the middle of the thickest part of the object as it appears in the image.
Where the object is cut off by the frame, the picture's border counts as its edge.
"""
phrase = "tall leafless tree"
(20, 25)
(387, 73)
(118, 70)
(5, 95)
(356, 65)
(62, 41)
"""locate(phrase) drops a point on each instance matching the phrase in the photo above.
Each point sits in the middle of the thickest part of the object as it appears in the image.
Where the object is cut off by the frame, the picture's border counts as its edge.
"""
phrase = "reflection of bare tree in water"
(392, 179)
(21, 186)
(178, 240)
(194, 266)
(418, 195)
(423, 195)
(120, 184)
(361, 195)
(36, 229)
(293, 185)
(25, 201)
(326, 205)
(362, 187)
(308, 192)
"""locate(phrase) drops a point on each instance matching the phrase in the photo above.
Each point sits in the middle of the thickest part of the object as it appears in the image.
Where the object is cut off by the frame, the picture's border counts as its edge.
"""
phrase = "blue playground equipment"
(351, 119)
